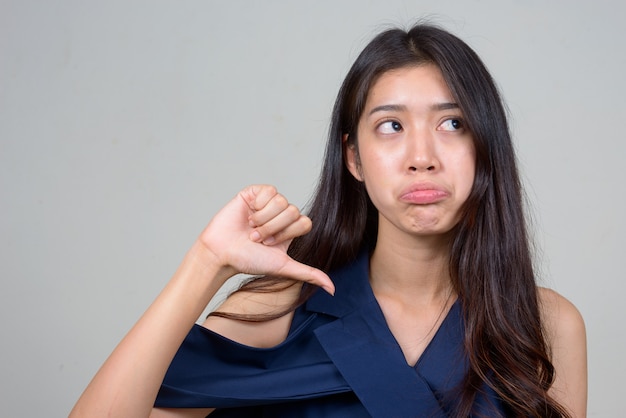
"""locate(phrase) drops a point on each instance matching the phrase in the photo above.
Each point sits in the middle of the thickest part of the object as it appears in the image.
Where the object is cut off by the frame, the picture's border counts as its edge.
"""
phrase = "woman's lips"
(423, 194)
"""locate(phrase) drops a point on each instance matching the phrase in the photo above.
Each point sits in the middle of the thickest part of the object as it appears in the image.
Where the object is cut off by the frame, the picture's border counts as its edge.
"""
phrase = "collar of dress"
(365, 352)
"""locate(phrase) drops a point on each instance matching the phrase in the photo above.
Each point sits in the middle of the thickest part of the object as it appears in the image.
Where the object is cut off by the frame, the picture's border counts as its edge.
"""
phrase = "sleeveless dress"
(339, 360)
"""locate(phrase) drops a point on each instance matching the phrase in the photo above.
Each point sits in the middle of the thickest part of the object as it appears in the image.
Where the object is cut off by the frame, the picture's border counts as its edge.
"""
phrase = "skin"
(566, 335)
(409, 135)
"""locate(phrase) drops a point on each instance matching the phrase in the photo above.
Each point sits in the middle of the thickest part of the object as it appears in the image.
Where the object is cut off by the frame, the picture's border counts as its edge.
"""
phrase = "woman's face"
(414, 155)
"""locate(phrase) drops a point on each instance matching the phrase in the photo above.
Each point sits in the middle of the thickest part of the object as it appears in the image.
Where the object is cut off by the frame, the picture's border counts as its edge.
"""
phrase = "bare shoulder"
(561, 319)
(260, 334)
(566, 336)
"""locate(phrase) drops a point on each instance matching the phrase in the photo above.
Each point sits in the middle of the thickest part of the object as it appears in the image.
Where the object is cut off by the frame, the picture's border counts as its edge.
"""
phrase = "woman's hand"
(252, 233)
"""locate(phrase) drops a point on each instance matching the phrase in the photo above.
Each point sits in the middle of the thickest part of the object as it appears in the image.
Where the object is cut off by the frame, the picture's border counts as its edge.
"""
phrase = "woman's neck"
(413, 267)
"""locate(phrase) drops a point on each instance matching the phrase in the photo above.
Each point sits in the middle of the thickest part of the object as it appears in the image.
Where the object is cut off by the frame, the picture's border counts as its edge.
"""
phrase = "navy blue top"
(339, 360)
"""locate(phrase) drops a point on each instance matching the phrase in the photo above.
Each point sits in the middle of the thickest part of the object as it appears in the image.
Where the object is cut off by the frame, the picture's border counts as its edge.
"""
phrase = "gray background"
(124, 125)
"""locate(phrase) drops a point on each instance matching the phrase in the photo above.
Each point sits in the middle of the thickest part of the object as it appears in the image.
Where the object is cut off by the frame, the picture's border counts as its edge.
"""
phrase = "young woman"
(417, 228)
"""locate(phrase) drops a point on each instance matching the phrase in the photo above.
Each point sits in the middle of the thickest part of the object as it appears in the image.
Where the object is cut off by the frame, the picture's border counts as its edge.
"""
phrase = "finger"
(284, 219)
(263, 194)
(256, 196)
(270, 209)
(286, 233)
(299, 271)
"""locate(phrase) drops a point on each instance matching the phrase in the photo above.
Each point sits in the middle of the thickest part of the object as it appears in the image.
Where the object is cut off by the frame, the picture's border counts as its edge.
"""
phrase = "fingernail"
(255, 236)
(329, 290)
(269, 241)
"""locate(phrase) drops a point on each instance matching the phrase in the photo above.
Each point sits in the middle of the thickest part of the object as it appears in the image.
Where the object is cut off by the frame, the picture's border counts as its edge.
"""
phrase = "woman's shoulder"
(565, 333)
(560, 317)
(256, 304)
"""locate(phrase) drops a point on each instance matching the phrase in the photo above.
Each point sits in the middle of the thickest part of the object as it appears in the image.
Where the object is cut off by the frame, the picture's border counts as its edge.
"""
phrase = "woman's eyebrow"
(388, 108)
(402, 108)
(444, 106)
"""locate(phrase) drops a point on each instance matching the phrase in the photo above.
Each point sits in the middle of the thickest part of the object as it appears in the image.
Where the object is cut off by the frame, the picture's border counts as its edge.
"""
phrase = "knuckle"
(265, 194)
(280, 201)
(293, 212)
(306, 222)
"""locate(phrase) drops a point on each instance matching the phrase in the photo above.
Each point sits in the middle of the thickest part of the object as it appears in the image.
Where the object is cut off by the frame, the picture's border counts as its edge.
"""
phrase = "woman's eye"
(390, 127)
(451, 125)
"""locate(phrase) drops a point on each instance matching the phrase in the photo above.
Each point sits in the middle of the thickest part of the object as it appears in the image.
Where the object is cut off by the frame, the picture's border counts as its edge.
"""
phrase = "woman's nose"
(421, 153)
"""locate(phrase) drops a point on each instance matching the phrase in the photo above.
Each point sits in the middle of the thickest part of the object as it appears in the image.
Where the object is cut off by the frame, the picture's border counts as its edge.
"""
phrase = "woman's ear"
(351, 158)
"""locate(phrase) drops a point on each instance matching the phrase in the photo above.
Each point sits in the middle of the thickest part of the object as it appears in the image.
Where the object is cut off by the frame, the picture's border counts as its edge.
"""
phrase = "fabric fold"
(339, 360)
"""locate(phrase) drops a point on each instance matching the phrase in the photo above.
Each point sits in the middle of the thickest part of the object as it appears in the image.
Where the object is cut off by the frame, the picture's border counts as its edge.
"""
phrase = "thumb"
(296, 270)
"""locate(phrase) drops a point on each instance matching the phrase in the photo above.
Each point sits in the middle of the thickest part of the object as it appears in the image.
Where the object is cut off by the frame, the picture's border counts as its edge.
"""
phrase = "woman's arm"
(566, 334)
(251, 235)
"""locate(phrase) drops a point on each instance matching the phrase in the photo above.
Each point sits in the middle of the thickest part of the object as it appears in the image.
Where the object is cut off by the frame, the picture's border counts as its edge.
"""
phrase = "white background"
(124, 125)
